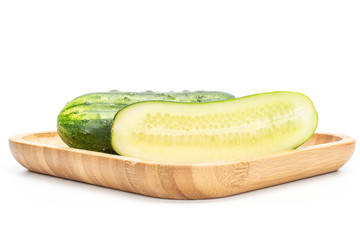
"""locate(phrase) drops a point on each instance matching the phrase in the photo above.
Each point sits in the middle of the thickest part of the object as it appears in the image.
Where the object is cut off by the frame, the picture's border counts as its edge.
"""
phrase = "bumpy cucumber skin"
(86, 121)
(226, 100)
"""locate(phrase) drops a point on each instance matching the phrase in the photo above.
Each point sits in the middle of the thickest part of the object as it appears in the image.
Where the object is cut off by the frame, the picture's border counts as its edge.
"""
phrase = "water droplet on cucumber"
(199, 98)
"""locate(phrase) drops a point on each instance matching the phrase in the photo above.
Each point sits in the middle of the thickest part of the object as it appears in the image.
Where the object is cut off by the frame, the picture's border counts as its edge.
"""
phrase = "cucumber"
(228, 130)
(86, 121)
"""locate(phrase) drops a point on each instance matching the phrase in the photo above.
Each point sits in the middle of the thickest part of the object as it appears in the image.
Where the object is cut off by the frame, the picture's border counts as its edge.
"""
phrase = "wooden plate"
(46, 153)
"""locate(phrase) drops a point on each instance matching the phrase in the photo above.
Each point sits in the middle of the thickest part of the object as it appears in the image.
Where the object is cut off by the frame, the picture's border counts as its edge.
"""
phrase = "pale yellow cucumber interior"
(220, 131)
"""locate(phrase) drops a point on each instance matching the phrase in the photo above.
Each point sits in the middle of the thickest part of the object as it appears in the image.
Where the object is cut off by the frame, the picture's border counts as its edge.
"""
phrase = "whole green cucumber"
(86, 121)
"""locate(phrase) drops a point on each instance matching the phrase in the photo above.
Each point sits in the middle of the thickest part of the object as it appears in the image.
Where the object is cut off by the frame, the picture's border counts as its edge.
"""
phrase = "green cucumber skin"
(86, 121)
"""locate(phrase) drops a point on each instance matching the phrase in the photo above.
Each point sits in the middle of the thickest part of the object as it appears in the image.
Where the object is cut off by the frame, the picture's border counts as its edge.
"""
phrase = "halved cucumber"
(218, 131)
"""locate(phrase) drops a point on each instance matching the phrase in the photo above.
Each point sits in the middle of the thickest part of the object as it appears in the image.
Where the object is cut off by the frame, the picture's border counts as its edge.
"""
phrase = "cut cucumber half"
(227, 130)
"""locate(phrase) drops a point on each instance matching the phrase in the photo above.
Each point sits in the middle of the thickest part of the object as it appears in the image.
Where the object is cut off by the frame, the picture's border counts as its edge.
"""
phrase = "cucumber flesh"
(218, 131)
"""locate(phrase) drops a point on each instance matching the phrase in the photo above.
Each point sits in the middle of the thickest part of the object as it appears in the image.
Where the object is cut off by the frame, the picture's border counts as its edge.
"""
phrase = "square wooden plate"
(46, 153)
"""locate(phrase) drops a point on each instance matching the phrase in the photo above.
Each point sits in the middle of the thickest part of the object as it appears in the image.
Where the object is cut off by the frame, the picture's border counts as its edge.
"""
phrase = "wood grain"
(46, 153)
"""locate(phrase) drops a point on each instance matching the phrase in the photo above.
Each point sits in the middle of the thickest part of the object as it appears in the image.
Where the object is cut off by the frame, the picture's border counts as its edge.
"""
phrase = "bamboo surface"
(46, 153)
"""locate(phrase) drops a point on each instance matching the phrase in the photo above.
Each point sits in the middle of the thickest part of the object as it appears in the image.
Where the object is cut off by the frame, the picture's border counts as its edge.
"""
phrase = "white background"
(54, 51)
